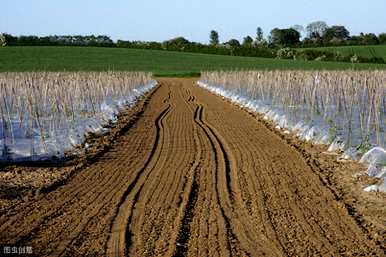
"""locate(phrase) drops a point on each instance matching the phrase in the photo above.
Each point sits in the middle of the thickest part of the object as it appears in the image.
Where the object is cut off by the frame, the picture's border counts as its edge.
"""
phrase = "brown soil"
(193, 176)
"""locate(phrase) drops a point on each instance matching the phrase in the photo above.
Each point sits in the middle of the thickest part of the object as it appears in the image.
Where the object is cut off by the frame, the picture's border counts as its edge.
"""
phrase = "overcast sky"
(160, 20)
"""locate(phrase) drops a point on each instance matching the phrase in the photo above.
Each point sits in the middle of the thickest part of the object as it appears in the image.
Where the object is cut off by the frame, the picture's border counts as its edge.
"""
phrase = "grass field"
(161, 63)
(364, 51)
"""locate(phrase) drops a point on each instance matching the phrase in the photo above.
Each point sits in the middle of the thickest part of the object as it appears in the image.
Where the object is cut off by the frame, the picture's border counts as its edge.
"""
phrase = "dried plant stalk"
(350, 105)
(45, 113)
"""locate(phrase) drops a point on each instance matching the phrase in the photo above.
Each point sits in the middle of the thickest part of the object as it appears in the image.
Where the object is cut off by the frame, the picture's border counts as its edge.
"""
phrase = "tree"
(247, 41)
(259, 34)
(176, 43)
(316, 29)
(382, 38)
(336, 33)
(284, 37)
(214, 38)
(233, 43)
(369, 39)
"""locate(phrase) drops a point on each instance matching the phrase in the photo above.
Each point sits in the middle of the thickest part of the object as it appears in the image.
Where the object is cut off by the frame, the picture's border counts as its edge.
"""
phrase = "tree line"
(280, 43)
(67, 40)
(319, 34)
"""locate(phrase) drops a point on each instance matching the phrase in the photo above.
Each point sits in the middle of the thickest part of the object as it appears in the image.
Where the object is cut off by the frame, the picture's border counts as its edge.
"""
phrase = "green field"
(364, 51)
(161, 63)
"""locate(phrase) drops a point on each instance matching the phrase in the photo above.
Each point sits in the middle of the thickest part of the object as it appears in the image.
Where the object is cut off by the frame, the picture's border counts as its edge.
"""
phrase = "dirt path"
(195, 176)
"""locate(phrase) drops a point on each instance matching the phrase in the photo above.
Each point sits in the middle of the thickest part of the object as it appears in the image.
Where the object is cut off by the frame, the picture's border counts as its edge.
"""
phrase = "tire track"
(168, 188)
(233, 206)
(120, 238)
(199, 120)
(188, 210)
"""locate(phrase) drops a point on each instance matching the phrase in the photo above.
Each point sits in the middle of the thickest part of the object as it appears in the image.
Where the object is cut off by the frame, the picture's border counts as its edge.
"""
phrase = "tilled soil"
(194, 176)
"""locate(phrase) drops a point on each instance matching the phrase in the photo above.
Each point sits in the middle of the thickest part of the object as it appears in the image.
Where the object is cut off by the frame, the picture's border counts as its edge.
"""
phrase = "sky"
(155, 20)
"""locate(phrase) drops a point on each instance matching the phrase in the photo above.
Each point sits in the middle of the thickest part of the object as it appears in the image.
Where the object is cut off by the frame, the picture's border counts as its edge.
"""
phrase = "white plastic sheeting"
(316, 129)
(376, 161)
(32, 139)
